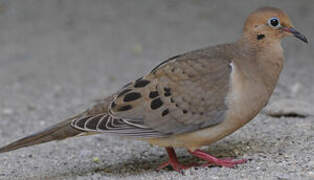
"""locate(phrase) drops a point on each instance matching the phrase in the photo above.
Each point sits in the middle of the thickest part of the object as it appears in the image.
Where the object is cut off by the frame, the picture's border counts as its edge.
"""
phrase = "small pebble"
(7, 111)
(137, 49)
(95, 159)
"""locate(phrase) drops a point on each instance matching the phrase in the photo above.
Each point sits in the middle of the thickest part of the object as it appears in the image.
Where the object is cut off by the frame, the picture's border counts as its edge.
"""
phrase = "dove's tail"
(59, 131)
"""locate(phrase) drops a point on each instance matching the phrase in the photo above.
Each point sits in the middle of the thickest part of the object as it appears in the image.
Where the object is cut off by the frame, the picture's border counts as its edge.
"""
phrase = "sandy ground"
(58, 57)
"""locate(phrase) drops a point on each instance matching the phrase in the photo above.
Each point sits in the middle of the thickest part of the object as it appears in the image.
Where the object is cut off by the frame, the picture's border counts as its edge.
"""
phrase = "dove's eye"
(274, 22)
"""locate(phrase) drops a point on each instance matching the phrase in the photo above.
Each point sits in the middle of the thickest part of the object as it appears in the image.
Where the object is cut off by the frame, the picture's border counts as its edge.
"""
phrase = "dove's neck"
(266, 60)
(270, 61)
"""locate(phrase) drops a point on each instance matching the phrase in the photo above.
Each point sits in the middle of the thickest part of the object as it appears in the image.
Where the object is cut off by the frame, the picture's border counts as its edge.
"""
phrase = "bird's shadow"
(136, 166)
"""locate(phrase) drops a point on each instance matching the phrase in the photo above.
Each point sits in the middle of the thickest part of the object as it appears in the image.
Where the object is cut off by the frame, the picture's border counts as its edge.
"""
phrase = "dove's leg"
(173, 161)
(213, 160)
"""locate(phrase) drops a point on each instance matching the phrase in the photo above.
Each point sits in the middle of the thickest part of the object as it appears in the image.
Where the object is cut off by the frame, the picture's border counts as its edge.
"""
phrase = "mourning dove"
(193, 99)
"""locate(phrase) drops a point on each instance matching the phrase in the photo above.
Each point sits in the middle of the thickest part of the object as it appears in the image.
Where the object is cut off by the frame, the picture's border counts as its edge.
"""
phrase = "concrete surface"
(57, 57)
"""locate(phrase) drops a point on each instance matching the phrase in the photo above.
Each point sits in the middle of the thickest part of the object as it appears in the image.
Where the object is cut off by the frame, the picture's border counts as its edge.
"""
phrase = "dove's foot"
(225, 162)
(173, 161)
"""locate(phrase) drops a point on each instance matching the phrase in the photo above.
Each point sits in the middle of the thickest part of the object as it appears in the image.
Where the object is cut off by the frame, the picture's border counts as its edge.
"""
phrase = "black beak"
(296, 33)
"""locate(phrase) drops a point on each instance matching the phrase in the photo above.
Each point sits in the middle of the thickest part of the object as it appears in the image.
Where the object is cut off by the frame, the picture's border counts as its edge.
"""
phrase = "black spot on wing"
(153, 94)
(260, 36)
(132, 96)
(156, 103)
(167, 91)
(164, 62)
(141, 83)
(125, 108)
(165, 112)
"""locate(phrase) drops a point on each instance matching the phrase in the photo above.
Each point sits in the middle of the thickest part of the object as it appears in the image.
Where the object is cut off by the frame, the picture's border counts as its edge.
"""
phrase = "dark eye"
(274, 22)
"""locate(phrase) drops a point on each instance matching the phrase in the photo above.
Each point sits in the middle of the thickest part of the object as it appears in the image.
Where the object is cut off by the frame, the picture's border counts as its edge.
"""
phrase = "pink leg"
(227, 162)
(173, 161)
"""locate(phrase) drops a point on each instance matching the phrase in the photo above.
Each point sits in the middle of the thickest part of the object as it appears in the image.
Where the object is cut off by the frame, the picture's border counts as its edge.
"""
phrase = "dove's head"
(269, 24)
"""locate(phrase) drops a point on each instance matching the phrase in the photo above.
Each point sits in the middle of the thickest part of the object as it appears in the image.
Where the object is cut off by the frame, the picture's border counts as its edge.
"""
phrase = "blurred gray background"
(58, 57)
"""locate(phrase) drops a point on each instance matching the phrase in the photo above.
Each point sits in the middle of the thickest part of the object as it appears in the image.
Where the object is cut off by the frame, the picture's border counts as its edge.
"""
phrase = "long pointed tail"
(59, 131)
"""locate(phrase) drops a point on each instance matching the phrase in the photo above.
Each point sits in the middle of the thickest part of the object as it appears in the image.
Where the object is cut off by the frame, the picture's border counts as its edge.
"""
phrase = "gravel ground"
(58, 57)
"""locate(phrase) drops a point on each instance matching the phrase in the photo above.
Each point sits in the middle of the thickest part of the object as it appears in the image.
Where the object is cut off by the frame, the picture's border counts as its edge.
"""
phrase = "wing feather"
(183, 94)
